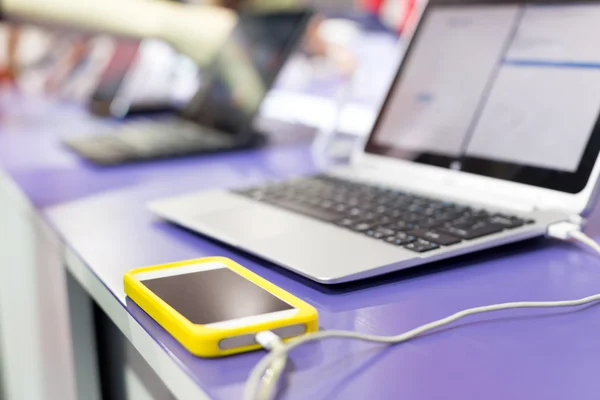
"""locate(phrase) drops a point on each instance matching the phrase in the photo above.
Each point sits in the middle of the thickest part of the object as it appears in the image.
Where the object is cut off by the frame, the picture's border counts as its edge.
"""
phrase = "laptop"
(219, 116)
(490, 133)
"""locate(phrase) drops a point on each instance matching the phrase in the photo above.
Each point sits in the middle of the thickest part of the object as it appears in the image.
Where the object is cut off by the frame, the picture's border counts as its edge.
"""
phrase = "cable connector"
(268, 389)
(268, 340)
(571, 231)
(563, 230)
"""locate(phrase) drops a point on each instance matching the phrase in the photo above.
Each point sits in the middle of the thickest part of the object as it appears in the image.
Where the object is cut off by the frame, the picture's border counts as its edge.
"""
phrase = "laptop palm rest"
(247, 223)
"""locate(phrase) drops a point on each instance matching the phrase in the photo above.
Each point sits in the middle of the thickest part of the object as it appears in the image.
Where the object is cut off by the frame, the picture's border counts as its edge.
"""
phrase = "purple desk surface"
(527, 354)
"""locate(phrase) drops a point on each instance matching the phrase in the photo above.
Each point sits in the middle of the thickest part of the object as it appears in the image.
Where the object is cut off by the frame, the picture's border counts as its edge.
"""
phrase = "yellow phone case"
(207, 341)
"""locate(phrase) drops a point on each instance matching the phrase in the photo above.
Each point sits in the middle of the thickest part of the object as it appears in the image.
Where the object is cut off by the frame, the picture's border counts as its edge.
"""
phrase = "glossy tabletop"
(528, 354)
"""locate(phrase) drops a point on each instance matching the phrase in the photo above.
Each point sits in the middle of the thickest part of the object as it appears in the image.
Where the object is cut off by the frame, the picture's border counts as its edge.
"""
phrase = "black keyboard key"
(437, 205)
(506, 221)
(392, 240)
(429, 223)
(397, 213)
(417, 208)
(460, 209)
(323, 215)
(365, 216)
(474, 232)
(422, 246)
(355, 212)
(430, 211)
(464, 222)
(340, 207)
(327, 204)
(381, 209)
(369, 216)
(437, 237)
(314, 201)
(382, 220)
(384, 200)
(362, 227)
(413, 218)
(405, 236)
(400, 239)
(346, 222)
(476, 215)
(374, 234)
(386, 231)
(446, 216)
(401, 225)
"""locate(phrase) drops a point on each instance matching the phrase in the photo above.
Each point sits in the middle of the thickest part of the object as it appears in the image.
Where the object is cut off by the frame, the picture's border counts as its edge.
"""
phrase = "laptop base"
(141, 142)
(276, 228)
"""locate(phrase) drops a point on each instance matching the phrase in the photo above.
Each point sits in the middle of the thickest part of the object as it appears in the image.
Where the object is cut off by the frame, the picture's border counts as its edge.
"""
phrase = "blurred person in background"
(196, 30)
(8, 72)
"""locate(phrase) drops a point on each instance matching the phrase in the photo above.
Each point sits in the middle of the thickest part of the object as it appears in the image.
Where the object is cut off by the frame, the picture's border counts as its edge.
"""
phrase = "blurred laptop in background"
(219, 116)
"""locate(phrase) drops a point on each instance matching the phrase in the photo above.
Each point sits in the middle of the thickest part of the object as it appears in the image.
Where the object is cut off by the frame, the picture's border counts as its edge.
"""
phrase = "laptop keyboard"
(171, 135)
(417, 223)
(139, 140)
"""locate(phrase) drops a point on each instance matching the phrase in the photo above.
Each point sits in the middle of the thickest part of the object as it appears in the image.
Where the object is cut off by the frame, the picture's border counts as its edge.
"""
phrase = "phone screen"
(216, 295)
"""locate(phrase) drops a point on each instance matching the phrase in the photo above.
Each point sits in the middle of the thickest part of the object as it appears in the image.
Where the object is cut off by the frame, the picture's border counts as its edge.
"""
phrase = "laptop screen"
(504, 89)
(245, 69)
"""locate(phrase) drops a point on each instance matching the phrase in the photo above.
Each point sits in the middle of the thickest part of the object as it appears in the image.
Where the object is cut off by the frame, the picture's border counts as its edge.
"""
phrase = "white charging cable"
(571, 231)
(263, 379)
(270, 377)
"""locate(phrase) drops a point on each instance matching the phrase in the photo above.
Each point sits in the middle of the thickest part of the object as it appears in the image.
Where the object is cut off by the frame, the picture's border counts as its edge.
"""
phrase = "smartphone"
(215, 307)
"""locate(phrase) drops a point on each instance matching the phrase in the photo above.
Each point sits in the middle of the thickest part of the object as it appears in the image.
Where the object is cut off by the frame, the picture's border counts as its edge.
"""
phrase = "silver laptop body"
(495, 108)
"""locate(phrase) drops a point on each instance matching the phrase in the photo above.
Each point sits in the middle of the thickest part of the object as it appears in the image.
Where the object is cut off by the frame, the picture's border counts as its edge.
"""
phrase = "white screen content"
(510, 83)
(439, 92)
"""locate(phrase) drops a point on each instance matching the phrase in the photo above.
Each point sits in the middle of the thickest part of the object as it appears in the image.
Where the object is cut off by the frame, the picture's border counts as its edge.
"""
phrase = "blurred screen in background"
(245, 68)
